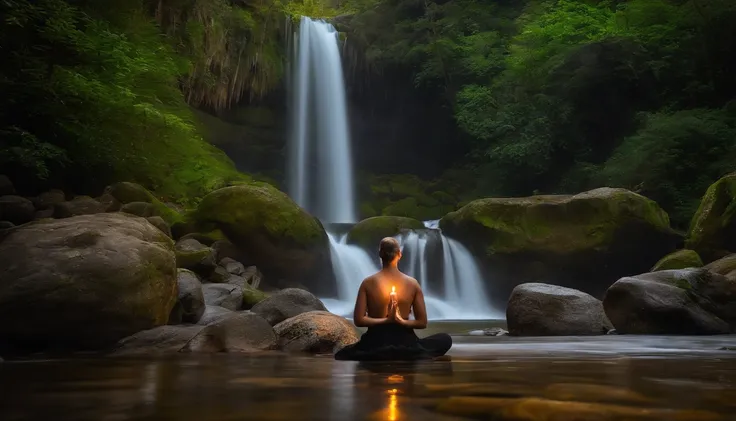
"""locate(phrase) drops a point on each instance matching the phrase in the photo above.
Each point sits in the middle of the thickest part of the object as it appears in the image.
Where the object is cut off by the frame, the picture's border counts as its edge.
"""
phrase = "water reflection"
(498, 384)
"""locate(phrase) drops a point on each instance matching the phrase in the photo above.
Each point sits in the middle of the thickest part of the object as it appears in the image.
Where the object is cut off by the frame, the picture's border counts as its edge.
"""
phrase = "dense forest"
(541, 96)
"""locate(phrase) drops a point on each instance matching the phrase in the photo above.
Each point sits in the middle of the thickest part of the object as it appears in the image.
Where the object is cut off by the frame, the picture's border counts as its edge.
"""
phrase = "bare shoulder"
(369, 281)
(412, 282)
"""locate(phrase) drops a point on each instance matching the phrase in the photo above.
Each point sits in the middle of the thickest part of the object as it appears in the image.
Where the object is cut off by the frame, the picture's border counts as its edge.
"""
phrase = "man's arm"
(420, 312)
(360, 318)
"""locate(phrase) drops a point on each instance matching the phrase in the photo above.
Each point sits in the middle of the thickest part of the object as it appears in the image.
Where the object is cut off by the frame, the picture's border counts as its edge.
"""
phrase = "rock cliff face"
(586, 241)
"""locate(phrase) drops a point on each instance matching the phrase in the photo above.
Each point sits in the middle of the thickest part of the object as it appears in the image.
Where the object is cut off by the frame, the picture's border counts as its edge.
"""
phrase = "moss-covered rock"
(252, 296)
(125, 192)
(725, 266)
(585, 241)
(272, 231)
(681, 259)
(369, 232)
(713, 227)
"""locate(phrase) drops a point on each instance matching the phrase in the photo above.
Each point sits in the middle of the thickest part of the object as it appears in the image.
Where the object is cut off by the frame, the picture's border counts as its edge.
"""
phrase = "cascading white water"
(320, 175)
(320, 179)
(464, 297)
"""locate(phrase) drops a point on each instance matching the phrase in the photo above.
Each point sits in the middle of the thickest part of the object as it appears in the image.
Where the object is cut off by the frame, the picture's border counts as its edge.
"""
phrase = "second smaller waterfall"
(453, 285)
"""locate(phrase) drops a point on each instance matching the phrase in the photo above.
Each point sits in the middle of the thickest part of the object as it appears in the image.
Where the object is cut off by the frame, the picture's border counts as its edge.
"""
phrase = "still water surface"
(550, 379)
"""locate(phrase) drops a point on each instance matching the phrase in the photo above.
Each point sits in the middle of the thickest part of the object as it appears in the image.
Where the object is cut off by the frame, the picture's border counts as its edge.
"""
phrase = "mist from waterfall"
(320, 175)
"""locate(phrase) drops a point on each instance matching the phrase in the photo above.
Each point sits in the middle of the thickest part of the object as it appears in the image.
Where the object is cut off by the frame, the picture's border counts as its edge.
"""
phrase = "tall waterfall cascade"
(320, 177)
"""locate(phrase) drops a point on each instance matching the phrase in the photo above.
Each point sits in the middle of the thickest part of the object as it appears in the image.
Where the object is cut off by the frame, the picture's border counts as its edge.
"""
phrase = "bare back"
(374, 298)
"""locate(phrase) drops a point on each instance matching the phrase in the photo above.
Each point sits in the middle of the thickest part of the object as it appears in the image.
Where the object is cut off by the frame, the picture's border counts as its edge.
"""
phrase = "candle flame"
(393, 289)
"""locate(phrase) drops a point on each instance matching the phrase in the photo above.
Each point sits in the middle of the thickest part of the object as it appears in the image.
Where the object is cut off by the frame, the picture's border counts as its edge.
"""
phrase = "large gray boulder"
(84, 282)
(214, 314)
(686, 301)
(286, 304)
(315, 332)
(536, 309)
(190, 304)
(16, 209)
(223, 295)
(241, 332)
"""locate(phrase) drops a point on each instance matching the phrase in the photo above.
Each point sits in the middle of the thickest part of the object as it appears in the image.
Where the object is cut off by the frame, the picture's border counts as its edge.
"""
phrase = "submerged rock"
(713, 227)
(223, 295)
(544, 310)
(275, 234)
(243, 332)
(586, 241)
(681, 259)
(369, 232)
(686, 301)
(80, 205)
(315, 332)
(286, 304)
(491, 331)
(84, 281)
(16, 209)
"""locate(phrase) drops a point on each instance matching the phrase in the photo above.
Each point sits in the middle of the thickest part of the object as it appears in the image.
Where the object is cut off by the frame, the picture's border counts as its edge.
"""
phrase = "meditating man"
(385, 301)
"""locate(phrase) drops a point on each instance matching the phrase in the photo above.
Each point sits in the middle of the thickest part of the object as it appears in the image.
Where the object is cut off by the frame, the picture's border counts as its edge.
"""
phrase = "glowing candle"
(393, 292)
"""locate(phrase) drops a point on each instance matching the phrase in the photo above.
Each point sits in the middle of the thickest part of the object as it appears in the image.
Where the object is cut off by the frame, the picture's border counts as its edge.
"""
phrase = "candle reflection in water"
(393, 405)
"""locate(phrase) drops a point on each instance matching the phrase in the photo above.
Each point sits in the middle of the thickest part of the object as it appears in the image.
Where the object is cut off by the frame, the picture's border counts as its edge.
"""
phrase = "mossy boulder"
(125, 193)
(369, 232)
(84, 282)
(725, 266)
(681, 259)
(586, 241)
(252, 296)
(270, 231)
(713, 227)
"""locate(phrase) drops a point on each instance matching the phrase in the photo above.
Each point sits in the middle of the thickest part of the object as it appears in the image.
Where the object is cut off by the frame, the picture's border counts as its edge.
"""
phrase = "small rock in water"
(491, 331)
(612, 332)
(727, 348)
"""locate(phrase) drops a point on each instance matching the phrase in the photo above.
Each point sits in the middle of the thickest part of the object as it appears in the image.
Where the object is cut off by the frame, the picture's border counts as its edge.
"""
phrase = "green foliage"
(550, 91)
(93, 101)
(674, 157)
(408, 196)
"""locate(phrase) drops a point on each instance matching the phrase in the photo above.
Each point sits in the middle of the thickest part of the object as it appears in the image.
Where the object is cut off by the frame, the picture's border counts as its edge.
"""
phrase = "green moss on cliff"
(680, 259)
(369, 232)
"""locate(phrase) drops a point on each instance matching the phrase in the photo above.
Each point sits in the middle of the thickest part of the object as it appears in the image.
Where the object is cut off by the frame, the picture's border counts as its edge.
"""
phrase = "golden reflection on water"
(393, 405)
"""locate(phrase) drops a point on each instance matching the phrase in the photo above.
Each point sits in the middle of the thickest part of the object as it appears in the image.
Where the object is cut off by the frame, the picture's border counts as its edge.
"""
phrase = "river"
(503, 378)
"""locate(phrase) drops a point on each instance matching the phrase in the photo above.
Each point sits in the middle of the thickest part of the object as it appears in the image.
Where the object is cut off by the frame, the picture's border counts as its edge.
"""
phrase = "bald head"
(388, 250)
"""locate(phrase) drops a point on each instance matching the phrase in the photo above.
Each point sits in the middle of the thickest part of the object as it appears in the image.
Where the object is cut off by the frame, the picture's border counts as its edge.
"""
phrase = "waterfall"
(320, 177)
(464, 297)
